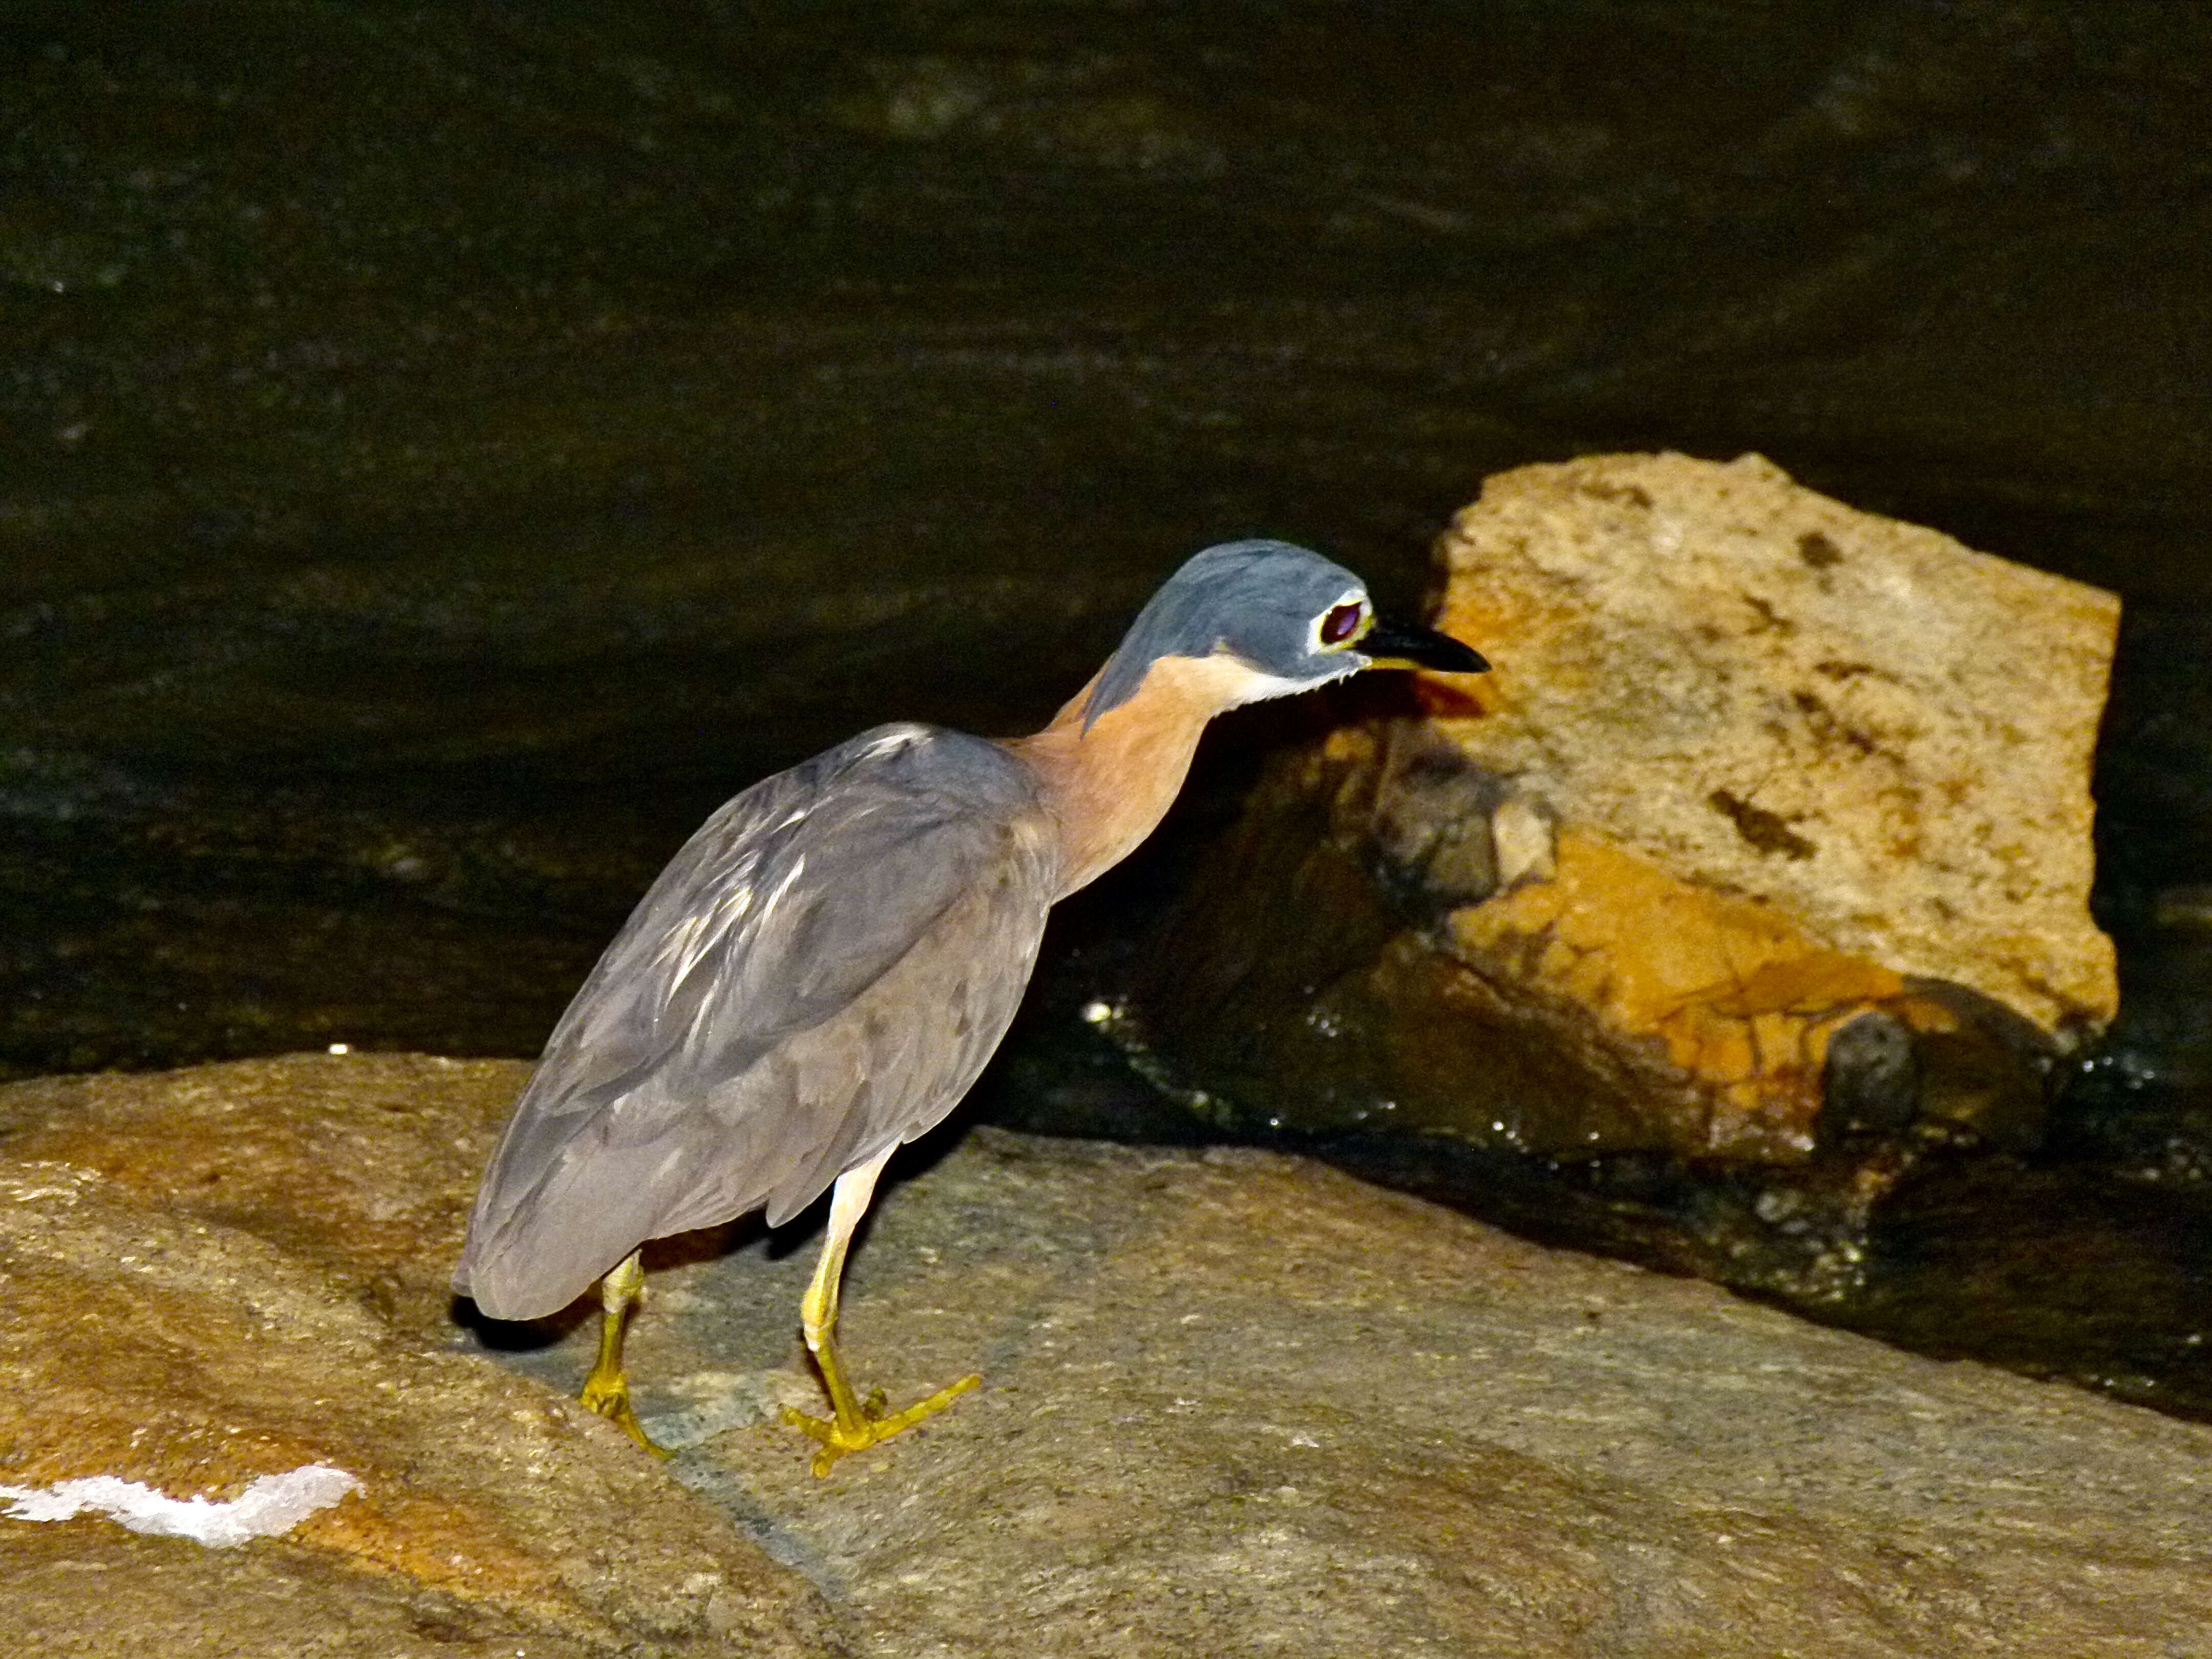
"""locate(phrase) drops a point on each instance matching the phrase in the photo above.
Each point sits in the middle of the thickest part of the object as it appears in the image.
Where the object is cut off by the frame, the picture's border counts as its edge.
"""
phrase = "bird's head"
(1276, 618)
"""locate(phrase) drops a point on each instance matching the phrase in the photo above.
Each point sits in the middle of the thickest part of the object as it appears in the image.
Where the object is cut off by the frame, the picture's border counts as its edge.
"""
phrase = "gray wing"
(820, 973)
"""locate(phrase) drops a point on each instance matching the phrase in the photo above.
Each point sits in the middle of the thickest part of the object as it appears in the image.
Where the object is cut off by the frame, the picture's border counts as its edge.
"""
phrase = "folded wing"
(819, 973)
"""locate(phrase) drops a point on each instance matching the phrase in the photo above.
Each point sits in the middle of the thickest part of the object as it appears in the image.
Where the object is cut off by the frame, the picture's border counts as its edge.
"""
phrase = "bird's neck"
(1110, 786)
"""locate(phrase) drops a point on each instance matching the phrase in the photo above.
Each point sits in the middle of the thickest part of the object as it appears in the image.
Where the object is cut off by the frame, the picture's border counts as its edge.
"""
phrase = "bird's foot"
(610, 1398)
(835, 1435)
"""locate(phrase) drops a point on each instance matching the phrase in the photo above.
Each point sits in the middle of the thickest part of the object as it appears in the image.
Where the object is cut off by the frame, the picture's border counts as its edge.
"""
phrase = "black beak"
(1385, 646)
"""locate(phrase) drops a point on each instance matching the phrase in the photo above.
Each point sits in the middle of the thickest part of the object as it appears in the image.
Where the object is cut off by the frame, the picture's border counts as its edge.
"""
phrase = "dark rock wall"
(448, 448)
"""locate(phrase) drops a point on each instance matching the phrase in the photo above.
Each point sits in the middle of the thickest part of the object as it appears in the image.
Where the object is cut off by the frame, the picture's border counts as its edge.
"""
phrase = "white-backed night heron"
(822, 971)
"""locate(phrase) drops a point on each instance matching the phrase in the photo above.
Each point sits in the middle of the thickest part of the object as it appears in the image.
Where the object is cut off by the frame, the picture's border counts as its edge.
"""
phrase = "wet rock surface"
(1233, 1403)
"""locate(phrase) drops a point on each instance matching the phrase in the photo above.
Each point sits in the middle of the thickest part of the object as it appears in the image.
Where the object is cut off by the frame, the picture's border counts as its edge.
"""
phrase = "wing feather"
(820, 973)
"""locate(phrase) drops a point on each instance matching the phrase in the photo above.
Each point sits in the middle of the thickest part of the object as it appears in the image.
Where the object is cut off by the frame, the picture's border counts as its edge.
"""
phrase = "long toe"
(613, 1404)
(833, 1439)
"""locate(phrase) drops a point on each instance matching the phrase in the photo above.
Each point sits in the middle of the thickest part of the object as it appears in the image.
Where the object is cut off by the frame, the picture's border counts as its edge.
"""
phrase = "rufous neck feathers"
(1110, 785)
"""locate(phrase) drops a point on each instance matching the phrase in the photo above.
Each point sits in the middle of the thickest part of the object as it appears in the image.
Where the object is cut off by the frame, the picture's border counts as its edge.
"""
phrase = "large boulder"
(1233, 1401)
(1236, 1402)
(1771, 825)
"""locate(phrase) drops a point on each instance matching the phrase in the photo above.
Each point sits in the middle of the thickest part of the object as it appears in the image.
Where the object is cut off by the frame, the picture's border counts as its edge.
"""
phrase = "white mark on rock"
(271, 1505)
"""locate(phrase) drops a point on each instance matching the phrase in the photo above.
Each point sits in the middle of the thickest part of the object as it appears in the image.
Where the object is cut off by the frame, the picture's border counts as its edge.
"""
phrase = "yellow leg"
(606, 1390)
(854, 1424)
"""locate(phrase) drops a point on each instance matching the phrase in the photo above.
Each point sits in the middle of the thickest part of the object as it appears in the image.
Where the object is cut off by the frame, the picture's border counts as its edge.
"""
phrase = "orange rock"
(1796, 764)
(1880, 734)
(1741, 998)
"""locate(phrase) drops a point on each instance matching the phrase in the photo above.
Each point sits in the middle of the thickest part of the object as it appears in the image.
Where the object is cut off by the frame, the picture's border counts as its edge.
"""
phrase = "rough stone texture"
(1237, 1403)
(1752, 769)
(1882, 734)
(1233, 1403)
(212, 1275)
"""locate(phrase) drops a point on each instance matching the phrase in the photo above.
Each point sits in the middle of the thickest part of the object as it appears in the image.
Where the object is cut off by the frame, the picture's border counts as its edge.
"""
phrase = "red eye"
(1342, 624)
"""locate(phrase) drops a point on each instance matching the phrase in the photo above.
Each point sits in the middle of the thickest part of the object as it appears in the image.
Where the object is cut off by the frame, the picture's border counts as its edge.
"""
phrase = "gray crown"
(1256, 599)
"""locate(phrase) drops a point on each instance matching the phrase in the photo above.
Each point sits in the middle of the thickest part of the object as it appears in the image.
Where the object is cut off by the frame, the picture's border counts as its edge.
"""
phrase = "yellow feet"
(853, 1425)
(606, 1390)
(837, 1435)
(610, 1398)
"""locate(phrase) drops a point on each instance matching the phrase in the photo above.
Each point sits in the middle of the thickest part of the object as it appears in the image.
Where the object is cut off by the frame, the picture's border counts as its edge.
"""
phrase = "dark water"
(445, 450)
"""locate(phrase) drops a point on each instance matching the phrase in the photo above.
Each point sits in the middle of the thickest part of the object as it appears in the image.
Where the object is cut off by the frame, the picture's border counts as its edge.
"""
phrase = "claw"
(612, 1402)
(836, 1438)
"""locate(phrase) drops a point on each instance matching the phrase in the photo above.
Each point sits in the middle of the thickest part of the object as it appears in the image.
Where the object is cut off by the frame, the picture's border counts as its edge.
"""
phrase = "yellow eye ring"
(1341, 625)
